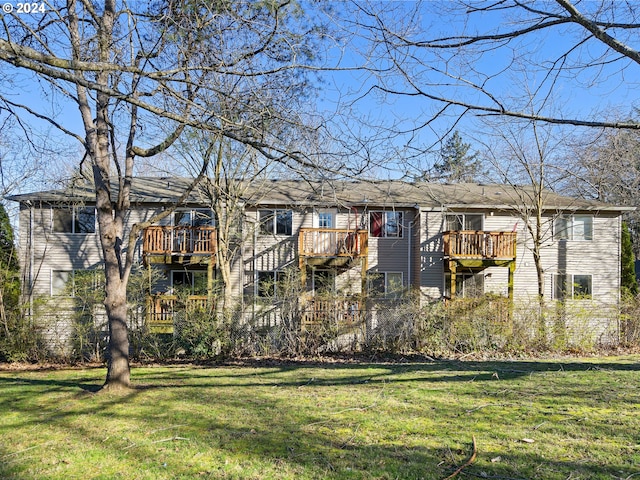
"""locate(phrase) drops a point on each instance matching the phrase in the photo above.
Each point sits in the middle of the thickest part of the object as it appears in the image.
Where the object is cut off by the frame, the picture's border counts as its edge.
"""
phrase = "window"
(61, 283)
(463, 221)
(276, 222)
(199, 217)
(385, 224)
(573, 227)
(325, 220)
(386, 284)
(578, 287)
(271, 283)
(192, 281)
(72, 283)
(74, 220)
(323, 282)
(468, 285)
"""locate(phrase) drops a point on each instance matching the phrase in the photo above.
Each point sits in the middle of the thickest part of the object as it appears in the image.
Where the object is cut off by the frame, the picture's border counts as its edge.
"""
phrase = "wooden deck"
(332, 242)
(162, 243)
(162, 309)
(334, 313)
(467, 244)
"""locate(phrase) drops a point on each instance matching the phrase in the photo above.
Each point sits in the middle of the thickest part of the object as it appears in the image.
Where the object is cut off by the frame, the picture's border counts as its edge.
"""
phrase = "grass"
(569, 418)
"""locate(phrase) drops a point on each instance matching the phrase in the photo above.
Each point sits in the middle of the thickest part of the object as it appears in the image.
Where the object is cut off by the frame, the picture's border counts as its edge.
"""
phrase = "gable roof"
(379, 193)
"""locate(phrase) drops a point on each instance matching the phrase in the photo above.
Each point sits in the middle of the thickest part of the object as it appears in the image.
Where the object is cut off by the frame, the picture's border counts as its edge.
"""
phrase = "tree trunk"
(118, 372)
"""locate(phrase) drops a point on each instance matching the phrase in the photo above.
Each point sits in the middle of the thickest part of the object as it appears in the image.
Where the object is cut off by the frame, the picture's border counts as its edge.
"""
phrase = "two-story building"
(342, 242)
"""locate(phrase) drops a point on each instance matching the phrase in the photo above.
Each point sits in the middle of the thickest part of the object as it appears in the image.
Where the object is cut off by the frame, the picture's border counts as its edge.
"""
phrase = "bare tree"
(139, 75)
(475, 57)
(606, 167)
(523, 156)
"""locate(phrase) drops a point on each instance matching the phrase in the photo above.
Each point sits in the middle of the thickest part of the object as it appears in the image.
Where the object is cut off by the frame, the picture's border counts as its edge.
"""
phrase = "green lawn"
(556, 419)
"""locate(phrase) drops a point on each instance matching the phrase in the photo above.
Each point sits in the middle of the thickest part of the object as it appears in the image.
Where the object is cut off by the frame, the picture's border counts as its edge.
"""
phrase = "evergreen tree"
(628, 279)
(456, 163)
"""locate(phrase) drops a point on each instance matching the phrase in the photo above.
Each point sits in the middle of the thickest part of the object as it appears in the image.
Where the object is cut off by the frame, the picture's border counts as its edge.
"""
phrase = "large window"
(463, 221)
(271, 284)
(386, 224)
(74, 219)
(198, 217)
(468, 285)
(71, 283)
(386, 284)
(193, 282)
(573, 227)
(276, 222)
(577, 287)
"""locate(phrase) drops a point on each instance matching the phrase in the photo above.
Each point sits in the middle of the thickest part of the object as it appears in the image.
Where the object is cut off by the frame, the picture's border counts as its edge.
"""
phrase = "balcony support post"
(452, 278)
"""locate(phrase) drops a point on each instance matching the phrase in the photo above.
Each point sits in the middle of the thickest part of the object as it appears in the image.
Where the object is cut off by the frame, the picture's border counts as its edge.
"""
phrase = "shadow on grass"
(161, 376)
(266, 429)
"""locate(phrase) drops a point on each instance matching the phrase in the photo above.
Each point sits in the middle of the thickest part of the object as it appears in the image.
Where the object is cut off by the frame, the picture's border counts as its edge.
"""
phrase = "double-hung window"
(271, 284)
(573, 227)
(577, 287)
(74, 283)
(463, 221)
(386, 284)
(386, 224)
(276, 222)
(193, 282)
(72, 219)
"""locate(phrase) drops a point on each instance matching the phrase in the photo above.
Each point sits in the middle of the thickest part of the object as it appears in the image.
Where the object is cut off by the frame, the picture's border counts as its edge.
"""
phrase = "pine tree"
(456, 163)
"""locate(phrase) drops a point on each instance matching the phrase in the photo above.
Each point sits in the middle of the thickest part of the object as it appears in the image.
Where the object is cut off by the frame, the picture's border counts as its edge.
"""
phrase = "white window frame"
(276, 278)
(74, 209)
(192, 216)
(272, 216)
(388, 291)
(570, 228)
(323, 215)
(463, 277)
(462, 220)
(385, 221)
(63, 292)
(570, 280)
(191, 275)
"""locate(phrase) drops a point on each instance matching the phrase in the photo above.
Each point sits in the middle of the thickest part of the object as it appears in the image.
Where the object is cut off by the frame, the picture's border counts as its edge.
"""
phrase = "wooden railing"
(331, 242)
(336, 312)
(161, 310)
(180, 240)
(479, 244)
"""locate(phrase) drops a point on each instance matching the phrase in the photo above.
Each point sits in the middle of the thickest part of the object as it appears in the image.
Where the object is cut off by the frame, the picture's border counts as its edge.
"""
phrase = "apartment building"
(359, 241)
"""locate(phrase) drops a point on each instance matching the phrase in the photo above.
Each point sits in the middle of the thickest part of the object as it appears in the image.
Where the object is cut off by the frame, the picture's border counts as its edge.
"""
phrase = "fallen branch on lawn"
(472, 458)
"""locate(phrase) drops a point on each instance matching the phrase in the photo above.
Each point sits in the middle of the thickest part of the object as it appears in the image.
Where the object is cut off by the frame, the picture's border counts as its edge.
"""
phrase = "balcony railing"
(162, 310)
(479, 244)
(179, 240)
(331, 242)
(332, 313)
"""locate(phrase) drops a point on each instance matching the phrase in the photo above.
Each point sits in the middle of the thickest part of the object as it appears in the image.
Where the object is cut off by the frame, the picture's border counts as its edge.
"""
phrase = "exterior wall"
(431, 255)
(417, 255)
(394, 255)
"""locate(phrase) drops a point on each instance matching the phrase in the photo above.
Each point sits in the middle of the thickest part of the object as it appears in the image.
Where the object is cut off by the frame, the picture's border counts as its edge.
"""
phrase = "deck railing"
(179, 240)
(162, 309)
(334, 312)
(331, 242)
(479, 244)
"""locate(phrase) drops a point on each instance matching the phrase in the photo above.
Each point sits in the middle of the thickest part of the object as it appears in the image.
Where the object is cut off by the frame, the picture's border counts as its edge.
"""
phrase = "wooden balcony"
(332, 313)
(163, 310)
(480, 245)
(331, 246)
(166, 244)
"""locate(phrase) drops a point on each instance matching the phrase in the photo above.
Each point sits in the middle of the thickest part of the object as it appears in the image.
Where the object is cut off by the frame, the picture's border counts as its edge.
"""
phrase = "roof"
(380, 193)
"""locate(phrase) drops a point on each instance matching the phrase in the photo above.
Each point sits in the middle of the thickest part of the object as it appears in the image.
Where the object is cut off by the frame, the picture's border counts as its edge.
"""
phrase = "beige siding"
(431, 257)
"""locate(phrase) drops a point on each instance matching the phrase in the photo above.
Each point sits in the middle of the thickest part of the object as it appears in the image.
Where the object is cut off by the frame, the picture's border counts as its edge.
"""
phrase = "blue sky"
(614, 92)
